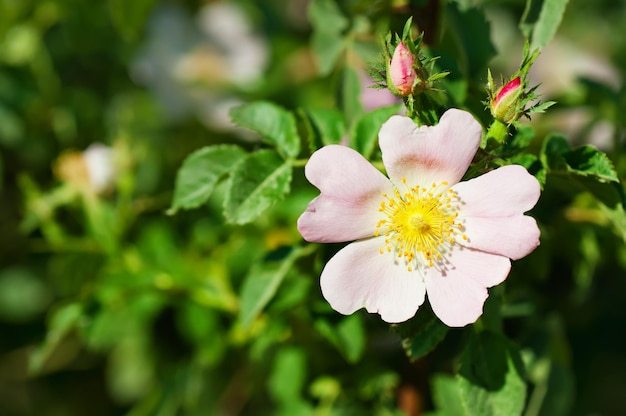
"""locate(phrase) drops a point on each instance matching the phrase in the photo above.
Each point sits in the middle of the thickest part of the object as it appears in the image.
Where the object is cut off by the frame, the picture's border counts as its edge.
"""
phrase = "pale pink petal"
(429, 154)
(509, 190)
(457, 295)
(351, 192)
(514, 237)
(358, 276)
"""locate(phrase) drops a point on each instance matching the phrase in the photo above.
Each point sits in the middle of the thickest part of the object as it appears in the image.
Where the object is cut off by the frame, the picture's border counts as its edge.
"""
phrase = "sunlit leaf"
(200, 172)
(276, 125)
(257, 182)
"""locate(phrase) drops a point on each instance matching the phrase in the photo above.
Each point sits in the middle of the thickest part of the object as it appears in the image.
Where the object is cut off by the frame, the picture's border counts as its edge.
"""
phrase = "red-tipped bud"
(401, 71)
(505, 105)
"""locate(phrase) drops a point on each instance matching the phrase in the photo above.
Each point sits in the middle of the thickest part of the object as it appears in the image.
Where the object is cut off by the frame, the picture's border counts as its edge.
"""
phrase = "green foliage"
(348, 336)
(348, 95)
(328, 126)
(262, 282)
(422, 334)
(327, 40)
(287, 381)
(257, 182)
(180, 284)
(129, 17)
(541, 20)
(365, 133)
(471, 32)
(586, 166)
(200, 172)
(491, 378)
(446, 396)
(275, 125)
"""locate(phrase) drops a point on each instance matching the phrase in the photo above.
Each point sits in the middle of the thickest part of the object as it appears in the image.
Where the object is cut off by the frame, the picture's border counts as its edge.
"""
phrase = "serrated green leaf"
(541, 107)
(553, 147)
(541, 20)
(257, 182)
(262, 282)
(200, 172)
(365, 133)
(276, 125)
(590, 161)
(490, 378)
(585, 166)
(328, 124)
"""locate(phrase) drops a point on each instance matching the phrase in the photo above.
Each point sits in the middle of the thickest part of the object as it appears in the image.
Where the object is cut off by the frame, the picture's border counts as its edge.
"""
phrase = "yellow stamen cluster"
(421, 221)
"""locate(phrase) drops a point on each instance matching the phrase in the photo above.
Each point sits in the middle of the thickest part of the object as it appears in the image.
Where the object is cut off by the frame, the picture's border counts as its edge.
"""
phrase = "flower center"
(421, 223)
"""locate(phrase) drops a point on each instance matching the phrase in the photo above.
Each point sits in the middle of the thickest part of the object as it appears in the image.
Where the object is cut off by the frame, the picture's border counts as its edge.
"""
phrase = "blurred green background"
(108, 305)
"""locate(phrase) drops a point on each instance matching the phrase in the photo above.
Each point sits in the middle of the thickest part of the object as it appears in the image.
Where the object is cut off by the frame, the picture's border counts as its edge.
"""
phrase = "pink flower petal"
(509, 190)
(351, 191)
(358, 276)
(514, 237)
(457, 295)
(426, 155)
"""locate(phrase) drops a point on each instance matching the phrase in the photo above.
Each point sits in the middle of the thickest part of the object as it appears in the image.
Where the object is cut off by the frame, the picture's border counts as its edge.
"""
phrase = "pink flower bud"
(504, 106)
(401, 71)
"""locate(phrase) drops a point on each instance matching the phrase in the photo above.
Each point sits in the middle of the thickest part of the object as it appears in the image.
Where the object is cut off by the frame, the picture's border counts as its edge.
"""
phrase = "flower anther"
(422, 222)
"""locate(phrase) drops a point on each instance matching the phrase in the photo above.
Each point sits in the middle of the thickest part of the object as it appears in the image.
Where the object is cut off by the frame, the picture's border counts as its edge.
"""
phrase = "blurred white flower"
(92, 170)
(100, 166)
(193, 68)
(245, 52)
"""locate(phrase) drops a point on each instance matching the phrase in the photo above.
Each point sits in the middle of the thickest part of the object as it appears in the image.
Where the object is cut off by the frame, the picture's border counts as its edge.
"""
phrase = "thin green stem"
(298, 163)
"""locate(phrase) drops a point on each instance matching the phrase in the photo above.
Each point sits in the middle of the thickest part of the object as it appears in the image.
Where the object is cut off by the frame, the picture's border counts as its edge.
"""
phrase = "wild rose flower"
(420, 231)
